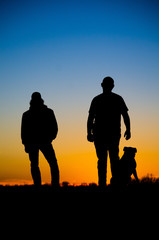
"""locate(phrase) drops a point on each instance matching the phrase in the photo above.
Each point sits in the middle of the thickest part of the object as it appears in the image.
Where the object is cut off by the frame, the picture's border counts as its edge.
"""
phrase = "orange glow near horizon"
(76, 158)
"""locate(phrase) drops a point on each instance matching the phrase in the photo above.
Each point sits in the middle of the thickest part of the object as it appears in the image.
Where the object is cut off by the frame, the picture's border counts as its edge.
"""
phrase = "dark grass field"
(81, 211)
(146, 186)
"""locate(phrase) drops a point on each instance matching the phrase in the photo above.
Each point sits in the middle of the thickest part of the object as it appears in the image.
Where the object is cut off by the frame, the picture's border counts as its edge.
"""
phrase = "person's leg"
(34, 159)
(50, 156)
(114, 159)
(101, 151)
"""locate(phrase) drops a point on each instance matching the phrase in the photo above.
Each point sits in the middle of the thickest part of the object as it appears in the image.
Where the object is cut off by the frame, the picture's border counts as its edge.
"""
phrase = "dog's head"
(130, 151)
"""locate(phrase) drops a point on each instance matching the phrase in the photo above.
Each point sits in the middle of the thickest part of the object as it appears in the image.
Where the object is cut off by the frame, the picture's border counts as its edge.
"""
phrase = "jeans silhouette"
(49, 154)
(102, 149)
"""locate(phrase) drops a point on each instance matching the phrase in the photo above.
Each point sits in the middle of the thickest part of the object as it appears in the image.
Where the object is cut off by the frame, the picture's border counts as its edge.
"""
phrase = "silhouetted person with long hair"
(39, 128)
(104, 129)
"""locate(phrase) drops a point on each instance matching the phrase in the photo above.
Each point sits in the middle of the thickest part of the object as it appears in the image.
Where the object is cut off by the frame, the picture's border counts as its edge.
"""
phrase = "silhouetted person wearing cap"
(39, 128)
(104, 128)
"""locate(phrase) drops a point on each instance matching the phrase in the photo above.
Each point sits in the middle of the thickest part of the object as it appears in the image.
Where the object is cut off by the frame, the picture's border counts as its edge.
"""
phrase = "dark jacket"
(39, 126)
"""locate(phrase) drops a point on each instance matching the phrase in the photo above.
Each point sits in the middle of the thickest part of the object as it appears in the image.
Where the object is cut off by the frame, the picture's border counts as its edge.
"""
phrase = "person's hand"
(27, 148)
(90, 138)
(127, 135)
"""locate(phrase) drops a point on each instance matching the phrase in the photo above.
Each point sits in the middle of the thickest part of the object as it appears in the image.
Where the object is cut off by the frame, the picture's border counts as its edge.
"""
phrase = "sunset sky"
(63, 49)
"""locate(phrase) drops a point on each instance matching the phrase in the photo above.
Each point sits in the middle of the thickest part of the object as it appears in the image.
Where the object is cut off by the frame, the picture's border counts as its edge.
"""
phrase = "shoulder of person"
(117, 96)
(98, 97)
(49, 111)
(26, 113)
(46, 108)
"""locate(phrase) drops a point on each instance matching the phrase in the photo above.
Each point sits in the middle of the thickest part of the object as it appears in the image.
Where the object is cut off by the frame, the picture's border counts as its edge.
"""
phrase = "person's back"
(39, 125)
(107, 109)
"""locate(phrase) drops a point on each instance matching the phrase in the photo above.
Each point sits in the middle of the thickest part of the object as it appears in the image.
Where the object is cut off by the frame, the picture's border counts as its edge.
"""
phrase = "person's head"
(36, 100)
(107, 84)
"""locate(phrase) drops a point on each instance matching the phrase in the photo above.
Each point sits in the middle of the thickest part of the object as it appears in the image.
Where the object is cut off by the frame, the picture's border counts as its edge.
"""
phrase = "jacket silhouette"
(38, 129)
(39, 125)
(104, 128)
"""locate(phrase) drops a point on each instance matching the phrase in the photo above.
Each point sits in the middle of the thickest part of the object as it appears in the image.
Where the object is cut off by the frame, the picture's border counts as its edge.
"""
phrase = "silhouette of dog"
(127, 165)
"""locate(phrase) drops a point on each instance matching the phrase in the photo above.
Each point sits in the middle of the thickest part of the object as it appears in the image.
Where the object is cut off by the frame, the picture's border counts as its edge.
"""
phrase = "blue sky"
(49, 39)
(65, 48)
(69, 46)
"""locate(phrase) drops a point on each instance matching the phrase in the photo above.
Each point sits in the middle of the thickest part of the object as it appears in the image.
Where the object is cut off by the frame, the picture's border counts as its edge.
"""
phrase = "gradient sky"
(64, 49)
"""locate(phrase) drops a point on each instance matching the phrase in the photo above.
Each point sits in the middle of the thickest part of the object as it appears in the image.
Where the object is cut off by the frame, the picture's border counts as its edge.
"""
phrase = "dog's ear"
(133, 150)
(125, 148)
(130, 149)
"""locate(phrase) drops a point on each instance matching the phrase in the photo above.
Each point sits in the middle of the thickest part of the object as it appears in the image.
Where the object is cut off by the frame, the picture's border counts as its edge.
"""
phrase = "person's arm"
(23, 130)
(24, 134)
(53, 125)
(90, 121)
(126, 118)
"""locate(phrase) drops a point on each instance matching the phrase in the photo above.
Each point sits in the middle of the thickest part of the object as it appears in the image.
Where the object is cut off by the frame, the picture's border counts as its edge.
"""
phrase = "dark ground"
(147, 186)
(81, 211)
